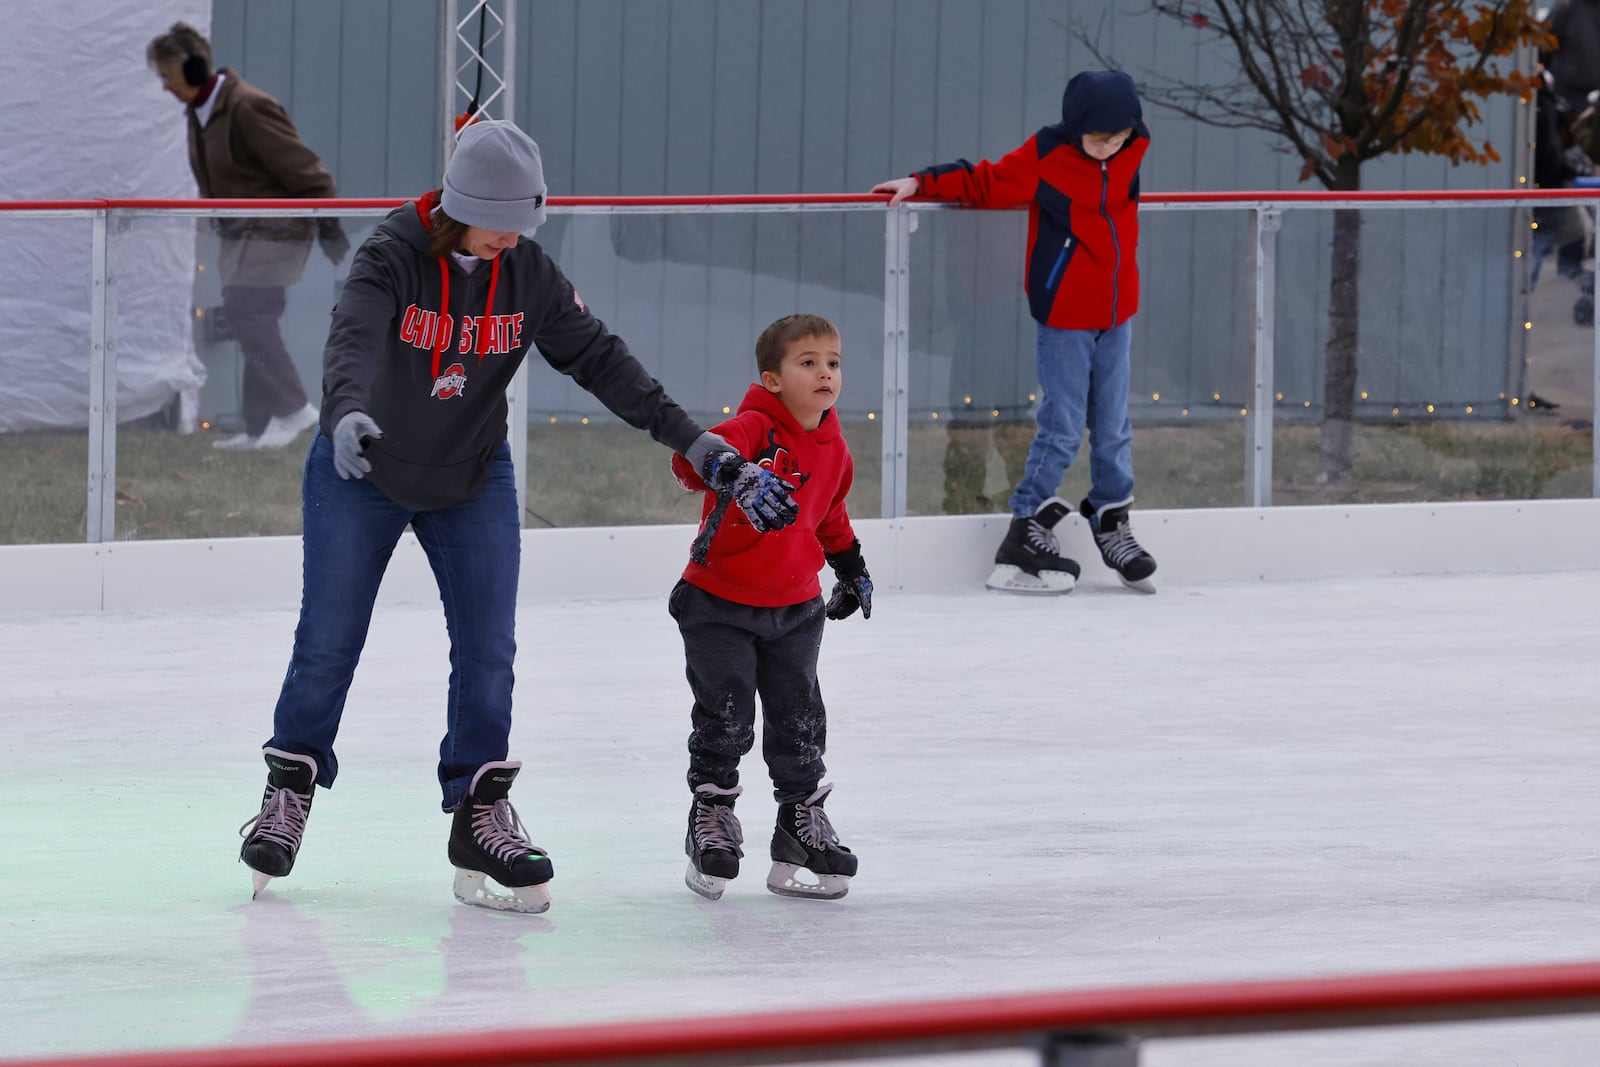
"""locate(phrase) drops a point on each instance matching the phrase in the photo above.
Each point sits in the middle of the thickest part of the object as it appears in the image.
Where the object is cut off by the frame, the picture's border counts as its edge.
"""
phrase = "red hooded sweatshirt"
(776, 569)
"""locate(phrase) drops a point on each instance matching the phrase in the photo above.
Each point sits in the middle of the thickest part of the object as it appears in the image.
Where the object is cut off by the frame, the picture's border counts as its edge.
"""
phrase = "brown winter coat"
(250, 149)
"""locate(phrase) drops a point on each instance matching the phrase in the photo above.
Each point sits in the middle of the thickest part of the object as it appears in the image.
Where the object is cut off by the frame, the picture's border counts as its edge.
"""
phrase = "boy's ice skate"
(1029, 560)
(488, 845)
(1118, 548)
(713, 841)
(804, 840)
(272, 838)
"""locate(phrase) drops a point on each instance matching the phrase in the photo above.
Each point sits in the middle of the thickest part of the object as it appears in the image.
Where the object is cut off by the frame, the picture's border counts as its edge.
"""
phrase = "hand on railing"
(899, 187)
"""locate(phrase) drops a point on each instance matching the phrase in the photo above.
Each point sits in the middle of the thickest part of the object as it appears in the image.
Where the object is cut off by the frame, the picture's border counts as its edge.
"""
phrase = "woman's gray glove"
(350, 439)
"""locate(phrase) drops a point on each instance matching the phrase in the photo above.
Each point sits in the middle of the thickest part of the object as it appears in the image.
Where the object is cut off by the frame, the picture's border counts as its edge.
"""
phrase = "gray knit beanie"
(494, 180)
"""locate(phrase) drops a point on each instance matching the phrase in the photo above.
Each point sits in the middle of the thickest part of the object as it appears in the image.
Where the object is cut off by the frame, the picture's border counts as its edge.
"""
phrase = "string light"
(1517, 254)
(1469, 409)
(1363, 396)
(586, 420)
(966, 400)
(1031, 398)
(1280, 396)
(1513, 401)
(994, 413)
(1308, 403)
(1394, 411)
(1186, 411)
(933, 415)
(1430, 409)
(199, 313)
(1216, 396)
(726, 409)
(1155, 396)
(871, 415)
(552, 420)
(1527, 326)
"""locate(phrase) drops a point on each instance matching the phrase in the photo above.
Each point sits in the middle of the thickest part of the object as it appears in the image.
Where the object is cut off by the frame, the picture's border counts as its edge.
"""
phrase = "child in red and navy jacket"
(1079, 180)
(751, 612)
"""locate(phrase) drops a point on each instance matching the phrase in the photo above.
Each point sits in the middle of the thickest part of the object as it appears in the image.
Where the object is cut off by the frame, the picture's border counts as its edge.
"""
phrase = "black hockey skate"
(713, 840)
(804, 839)
(1121, 552)
(272, 838)
(487, 843)
(1029, 560)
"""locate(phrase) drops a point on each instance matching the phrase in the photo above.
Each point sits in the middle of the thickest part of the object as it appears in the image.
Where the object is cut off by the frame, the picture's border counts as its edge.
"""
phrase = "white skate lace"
(813, 828)
(716, 826)
(1042, 539)
(499, 832)
(282, 820)
(1118, 546)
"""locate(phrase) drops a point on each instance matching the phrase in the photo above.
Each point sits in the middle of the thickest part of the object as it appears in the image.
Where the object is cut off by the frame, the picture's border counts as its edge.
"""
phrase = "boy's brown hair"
(775, 340)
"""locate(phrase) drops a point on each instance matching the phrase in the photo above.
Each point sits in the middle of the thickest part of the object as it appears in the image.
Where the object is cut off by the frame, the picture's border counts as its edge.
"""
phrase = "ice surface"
(1219, 782)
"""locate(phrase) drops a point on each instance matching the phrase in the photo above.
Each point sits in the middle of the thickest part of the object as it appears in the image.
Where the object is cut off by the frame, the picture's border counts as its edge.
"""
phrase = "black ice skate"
(272, 838)
(487, 843)
(713, 841)
(804, 839)
(1118, 548)
(1029, 560)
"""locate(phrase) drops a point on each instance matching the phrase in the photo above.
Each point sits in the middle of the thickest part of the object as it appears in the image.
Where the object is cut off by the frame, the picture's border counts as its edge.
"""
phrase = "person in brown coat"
(242, 145)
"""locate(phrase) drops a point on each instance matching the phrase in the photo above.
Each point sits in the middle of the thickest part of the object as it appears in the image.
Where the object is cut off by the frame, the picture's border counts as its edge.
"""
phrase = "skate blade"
(784, 880)
(706, 885)
(258, 883)
(1009, 579)
(478, 889)
(1141, 585)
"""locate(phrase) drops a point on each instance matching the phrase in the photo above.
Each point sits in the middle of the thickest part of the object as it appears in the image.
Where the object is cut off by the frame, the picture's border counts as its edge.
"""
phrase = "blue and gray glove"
(763, 496)
(350, 439)
(854, 588)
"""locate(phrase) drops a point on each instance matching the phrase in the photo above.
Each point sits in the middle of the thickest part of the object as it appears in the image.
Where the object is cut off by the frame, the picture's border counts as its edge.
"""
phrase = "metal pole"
(899, 224)
(447, 85)
(1088, 1050)
(101, 513)
(1258, 429)
(518, 400)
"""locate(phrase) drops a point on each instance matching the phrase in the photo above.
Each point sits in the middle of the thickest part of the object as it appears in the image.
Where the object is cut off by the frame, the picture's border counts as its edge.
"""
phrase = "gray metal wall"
(805, 96)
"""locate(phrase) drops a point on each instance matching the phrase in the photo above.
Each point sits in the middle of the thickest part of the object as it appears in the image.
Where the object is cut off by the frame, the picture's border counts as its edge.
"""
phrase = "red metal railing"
(1013, 1021)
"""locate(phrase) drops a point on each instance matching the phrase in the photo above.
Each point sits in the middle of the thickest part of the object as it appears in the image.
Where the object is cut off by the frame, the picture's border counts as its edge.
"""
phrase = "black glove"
(854, 587)
(330, 235)
(761, 495)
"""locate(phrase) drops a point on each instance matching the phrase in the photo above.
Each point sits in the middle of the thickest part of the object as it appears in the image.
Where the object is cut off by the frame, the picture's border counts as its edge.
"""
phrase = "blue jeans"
(475, 549)
(1084, 378)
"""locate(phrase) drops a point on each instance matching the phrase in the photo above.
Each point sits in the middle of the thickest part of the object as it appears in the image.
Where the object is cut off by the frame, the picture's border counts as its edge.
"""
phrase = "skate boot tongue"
(493, 781)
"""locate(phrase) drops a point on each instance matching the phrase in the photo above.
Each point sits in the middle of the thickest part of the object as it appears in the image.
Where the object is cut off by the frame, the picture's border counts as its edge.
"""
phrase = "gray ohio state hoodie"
(428, 350)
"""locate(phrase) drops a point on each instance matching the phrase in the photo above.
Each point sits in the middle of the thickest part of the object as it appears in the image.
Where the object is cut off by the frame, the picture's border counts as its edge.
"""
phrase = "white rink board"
(908, 555)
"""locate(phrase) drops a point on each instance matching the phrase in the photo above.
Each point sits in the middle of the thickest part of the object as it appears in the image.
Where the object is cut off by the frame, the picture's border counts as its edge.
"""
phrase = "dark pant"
(271, 383)
(475, 549)
(735, 651)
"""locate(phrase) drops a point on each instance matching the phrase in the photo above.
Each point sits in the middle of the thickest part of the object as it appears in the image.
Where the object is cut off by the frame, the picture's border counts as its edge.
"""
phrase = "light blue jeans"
(1084, 380)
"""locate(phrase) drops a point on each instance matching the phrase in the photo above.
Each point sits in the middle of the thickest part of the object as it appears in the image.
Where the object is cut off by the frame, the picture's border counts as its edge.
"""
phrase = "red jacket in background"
(1083, 214)
(776, 569)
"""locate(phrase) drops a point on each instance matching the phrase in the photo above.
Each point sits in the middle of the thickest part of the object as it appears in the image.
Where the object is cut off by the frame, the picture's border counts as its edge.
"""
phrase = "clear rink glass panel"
(689, 293)
(1473, 367)
(974, 386)
(191, 296)
(44, 377)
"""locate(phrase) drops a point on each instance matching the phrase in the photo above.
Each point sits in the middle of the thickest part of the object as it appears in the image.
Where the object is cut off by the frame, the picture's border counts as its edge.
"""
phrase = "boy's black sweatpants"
(735, 651)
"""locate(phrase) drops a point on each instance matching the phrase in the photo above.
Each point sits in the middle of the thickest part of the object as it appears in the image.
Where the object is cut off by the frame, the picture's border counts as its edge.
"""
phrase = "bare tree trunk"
(1344, 330)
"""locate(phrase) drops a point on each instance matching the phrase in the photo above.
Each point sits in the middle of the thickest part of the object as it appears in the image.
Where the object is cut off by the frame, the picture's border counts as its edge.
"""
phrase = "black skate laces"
(1117, 544)
(282, 820)
(716, 826)
(499, 832)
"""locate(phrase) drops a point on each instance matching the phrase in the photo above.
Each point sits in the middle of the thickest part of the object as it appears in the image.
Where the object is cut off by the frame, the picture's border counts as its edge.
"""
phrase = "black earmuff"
(196, 70)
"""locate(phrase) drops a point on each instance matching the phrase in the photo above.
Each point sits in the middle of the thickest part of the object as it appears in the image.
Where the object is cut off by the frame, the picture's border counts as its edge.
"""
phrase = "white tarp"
(83, 116)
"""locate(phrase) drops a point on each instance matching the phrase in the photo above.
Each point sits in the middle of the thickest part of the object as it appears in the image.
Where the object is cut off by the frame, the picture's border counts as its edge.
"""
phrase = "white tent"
(82, 116)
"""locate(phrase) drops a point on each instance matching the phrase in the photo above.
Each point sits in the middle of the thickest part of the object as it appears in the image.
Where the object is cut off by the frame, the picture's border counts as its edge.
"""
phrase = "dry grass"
(171, 486)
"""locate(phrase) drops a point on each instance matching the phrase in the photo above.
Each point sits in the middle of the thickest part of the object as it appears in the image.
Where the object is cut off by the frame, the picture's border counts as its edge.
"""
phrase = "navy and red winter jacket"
(778, 568)
(1083, 214)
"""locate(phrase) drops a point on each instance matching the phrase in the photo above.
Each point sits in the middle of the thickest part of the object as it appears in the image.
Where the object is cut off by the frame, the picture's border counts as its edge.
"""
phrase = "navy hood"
(1103, 101)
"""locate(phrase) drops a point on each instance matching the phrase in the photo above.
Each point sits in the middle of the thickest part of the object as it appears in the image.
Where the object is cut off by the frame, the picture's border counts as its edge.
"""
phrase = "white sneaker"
(282, 429)
(239, 442)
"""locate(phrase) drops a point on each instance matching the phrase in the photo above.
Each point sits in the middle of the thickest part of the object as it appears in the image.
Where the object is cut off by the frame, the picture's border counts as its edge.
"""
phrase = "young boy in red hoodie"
(1079, 180)
(751, 613)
